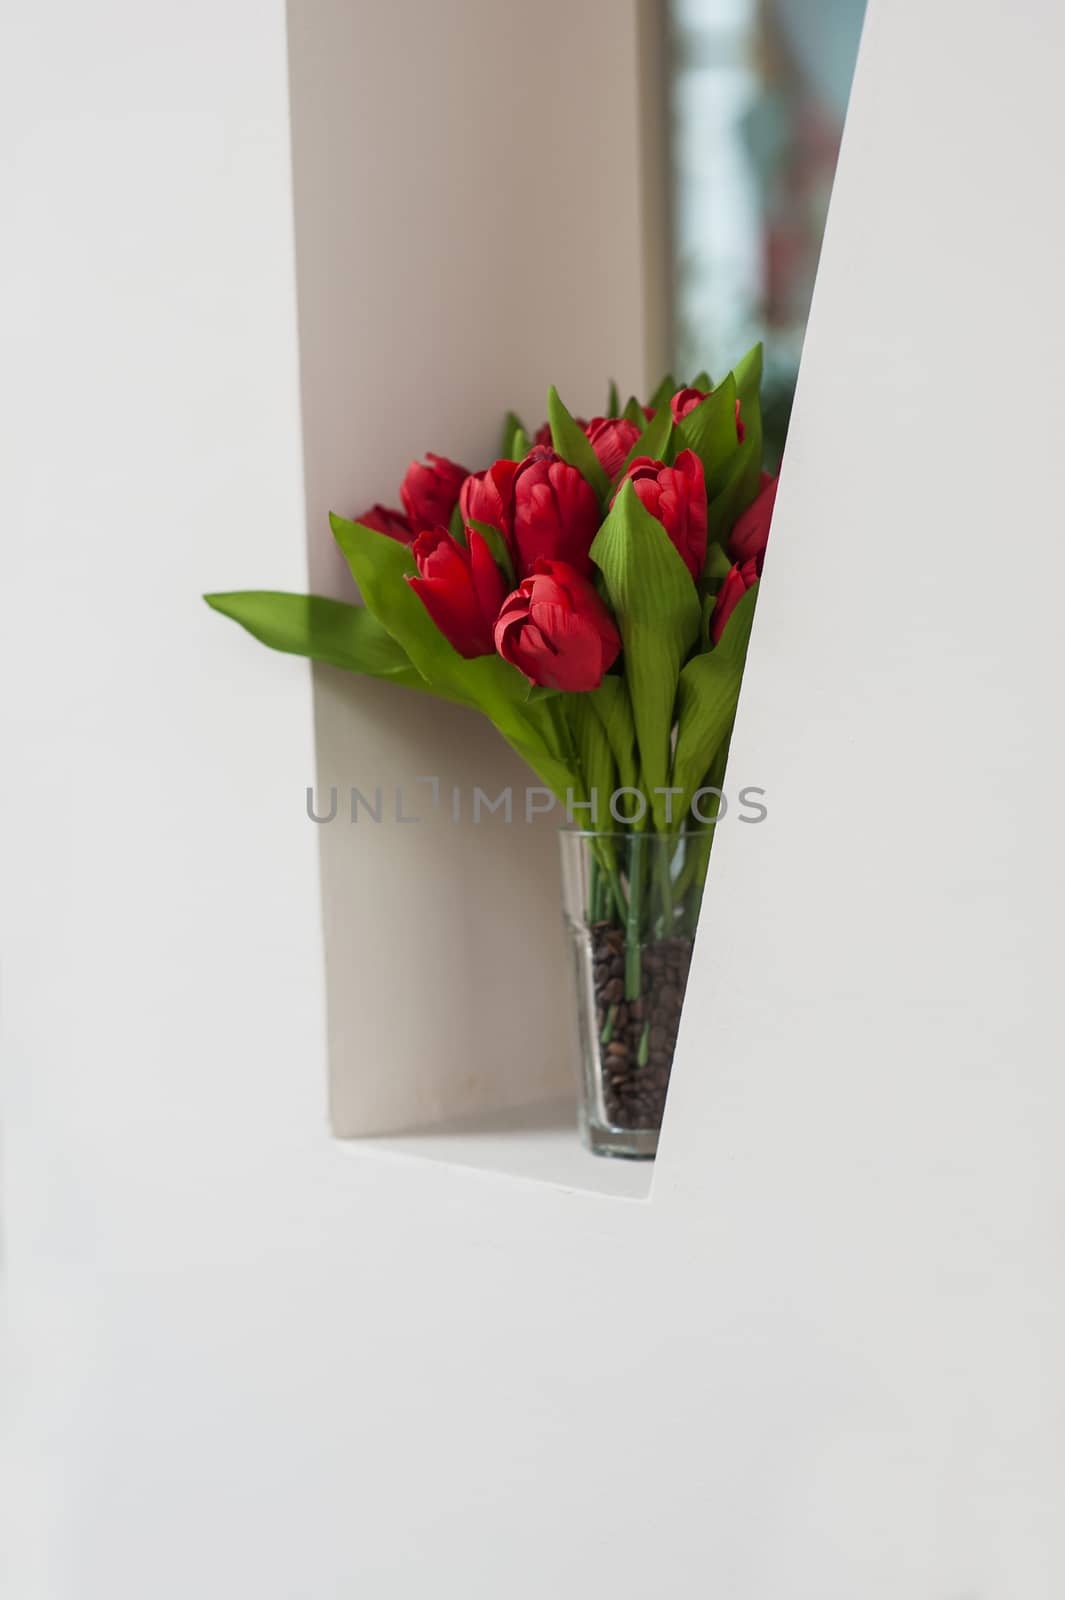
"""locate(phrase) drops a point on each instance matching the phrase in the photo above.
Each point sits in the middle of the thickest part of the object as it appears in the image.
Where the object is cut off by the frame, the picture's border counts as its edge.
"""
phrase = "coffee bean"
(633, 1096)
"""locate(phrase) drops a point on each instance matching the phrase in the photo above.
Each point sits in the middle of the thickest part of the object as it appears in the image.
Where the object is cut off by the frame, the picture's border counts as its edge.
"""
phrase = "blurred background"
(758, 93)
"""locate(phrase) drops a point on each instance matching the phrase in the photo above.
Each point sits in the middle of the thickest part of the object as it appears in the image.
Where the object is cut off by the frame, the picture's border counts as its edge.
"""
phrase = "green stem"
(632, 921)
(567, 743)
(604, 880)
(665, 885)
(594, 892)
(700, 847)
(612, 896)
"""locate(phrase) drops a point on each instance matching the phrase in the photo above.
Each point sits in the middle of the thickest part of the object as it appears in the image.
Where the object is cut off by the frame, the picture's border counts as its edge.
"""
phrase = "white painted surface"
(824, 1361)
(876, 1142)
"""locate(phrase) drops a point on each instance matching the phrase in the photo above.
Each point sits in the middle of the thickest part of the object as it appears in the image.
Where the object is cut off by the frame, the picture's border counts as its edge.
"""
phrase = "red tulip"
(462, 589)
(676, 495)
(489, 496)
(429, 492)
(738, 580)
(555, 629)
(749, 537)
(611, 438)
(686, 400)
(556, 513)
(382, 519)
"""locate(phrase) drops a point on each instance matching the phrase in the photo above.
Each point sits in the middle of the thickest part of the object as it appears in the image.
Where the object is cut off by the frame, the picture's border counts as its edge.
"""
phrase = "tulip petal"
(489, 584)
(578, 649)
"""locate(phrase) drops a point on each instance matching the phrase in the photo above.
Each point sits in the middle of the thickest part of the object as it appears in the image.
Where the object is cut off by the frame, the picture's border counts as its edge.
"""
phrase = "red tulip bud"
(611, 438)
(686, 400)
(489, 496)
(738, 580)
(382, 519)
(749, 537)
(676, 495)
(429, 492)
(556, 513)
(556, 630)
(462, 589)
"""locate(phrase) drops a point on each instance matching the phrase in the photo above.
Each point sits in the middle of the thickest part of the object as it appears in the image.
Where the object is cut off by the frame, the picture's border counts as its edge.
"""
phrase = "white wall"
(251, 1361)
(457, 251)
(874, 1140)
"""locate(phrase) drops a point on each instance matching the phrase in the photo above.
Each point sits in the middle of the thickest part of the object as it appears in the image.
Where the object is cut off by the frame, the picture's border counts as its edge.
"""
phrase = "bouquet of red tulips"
(591, 592)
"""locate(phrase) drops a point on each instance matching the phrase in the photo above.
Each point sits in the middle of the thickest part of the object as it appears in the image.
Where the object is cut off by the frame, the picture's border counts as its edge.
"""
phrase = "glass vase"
(630, 905)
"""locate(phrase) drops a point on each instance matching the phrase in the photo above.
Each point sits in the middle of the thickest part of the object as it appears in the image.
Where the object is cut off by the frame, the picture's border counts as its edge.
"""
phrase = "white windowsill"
(536, 1143)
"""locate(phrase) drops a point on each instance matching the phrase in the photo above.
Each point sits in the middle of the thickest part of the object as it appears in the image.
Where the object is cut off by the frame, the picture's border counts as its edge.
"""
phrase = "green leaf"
(701, 838)
(536, 692)
(664, 393)
(380, 567)
(710, 428)
(519, 446)
(702, 380)
(530, 730)
(613, 400)
(310, 625)
(455, 527)
(717, 565)
(512, 426)
(596, 761)
(707, 692)
(613, 707)
(748, 377)
(658, 614)
(633, 412)
(654, 441)
(732, 488)
(572, 444)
